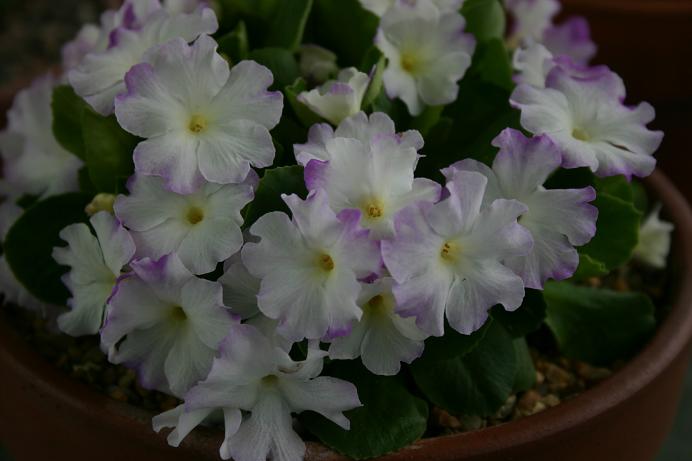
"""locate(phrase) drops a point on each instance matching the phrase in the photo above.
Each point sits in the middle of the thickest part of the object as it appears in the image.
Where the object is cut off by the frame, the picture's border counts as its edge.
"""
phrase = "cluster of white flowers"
(372, 262)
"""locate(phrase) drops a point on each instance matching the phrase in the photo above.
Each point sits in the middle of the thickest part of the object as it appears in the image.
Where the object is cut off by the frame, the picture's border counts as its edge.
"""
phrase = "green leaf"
(306, 116)
(589, 267)
(427, 119)
(390, 418)
(375, 87)
(277, 181)
(288, 24)
(477, 383)
(596, 325)
(615, 186)
(527, 319)
(30, 241)
(344, 27)
(491, 64)
(525, 378)
(617, 232)
(453, 344)
(109, 151)
(281, 62)
(67, 110)
(235, 43)
(485, 19)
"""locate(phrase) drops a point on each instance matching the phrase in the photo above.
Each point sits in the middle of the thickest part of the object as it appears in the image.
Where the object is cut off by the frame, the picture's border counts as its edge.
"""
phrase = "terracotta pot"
(647, 42)
(45, 414)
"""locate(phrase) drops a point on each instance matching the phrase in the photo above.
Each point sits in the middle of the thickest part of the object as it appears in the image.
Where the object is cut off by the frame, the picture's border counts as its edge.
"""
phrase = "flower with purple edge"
(360, 126)
(165, 323)
(310, 266)
(533, 63)
(95, 265)
(375, 178)
(33, 161)
(571, 38)
(202, 121)
(582, 111)
(382, 338)
(99, 78)
(380, 7)
(202, 228)
(531, 19)
(337, 99)
(558, 219)
(240, 287)
(428, 53)
(252, 375)
(317, 64)
(447, 257)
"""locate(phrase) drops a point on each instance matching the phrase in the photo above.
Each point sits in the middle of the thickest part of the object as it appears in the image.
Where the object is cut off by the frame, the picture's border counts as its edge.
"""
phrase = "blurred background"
(648, 42)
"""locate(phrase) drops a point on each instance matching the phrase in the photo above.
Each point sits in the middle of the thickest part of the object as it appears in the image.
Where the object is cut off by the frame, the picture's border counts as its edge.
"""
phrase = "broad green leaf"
(491, 64)
(527, 318)
(427, 119)
(453, 344)
(485, 19)
(589, 267)
(277, 181)
(306, 116)
(525, 378)
(281, 62)
(344, 27)
(477, 383)
(390, 418)
(67, 110)
(617, 231)
(596, 325)
(30, 241)
(288, 24)
(573, 178)
(109, 151)
(235, 43)
(616, 186)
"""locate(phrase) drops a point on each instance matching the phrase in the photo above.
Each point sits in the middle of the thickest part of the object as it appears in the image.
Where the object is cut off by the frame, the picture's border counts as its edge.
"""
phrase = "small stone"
(590, 373)
(528, 401)
(507, 408)
(472, 422)
(558, 378)
(551, 400)
(540, 378)
(118, 394)
(443, 419)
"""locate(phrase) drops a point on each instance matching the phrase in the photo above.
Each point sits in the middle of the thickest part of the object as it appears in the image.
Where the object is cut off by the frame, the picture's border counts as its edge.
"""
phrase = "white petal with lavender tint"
(654, 240)
(337, 99)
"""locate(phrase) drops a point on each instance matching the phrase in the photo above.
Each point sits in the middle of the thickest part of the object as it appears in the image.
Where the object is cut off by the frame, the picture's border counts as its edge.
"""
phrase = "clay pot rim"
(672, 337)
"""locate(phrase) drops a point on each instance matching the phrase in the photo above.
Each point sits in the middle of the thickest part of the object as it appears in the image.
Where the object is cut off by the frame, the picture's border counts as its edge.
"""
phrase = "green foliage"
(485, 19)
(453, 344)
(527, 318)
(598, 326)
(476, 383)
(235, 44)
(491, 64)
(288, 24)
(344, 27)
(525, 378)
(67, 110)
(30, 241)
(108, 151)
(390, 418)
(281, 62)
(277, 181)
(303, 113)
(375, 87)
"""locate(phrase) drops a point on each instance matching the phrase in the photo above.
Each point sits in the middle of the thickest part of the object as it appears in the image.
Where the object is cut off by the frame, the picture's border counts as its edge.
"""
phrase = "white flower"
(310, 267)
(95, 265)
(240, 287)
(34, 162)
(382, 338)
(359, 126)
(201, 120)
(373, 177)
(337, 99)
(253, 376)
(654, 240)
(531, 18)
(533, 63)
(100, 74)
(447, 258)
(558, 219)
(379, 7)
(582, 111)
(317, 64)
(203, 228)
(428, 53)
(165, 323)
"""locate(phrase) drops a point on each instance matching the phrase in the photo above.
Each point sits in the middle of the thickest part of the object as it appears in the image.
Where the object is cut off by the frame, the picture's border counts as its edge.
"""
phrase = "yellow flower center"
(581, 134)
(270, 380)
(373, 209)
(198, 123)
(100, 202)
(195, 215)
(410, 62)
(450, 251)
(178, 314)
(325, 262)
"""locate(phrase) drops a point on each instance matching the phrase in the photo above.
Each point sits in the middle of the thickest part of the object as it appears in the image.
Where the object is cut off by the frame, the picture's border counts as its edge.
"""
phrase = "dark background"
(652, 50)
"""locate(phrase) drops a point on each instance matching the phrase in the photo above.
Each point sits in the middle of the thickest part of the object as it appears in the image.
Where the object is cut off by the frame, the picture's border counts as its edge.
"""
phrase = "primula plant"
(346, 213)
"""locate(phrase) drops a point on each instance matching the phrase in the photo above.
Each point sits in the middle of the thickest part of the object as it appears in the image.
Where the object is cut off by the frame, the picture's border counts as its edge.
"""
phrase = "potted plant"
(423, 237)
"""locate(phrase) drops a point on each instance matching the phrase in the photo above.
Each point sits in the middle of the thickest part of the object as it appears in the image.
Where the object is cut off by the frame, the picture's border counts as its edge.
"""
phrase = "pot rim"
(671, 339)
